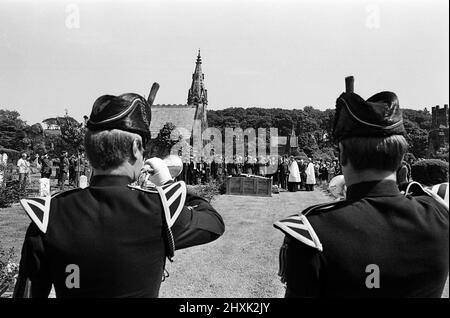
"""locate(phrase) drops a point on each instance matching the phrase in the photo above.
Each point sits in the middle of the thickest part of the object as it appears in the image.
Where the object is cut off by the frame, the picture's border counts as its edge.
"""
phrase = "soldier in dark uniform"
(114, 235)
(379, 242)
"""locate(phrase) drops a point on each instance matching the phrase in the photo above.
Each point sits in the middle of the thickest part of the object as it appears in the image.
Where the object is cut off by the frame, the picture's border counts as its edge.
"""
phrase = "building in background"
(438, 136)
(183, 116)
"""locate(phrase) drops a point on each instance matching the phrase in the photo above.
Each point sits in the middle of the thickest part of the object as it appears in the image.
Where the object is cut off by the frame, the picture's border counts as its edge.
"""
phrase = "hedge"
(430, 171)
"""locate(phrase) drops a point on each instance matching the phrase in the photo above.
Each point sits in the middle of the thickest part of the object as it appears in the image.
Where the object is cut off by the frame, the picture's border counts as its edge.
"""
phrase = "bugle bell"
(174, 164)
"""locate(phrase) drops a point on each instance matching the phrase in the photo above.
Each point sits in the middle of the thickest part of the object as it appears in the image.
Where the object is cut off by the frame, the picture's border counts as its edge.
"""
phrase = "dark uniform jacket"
(46, 168)
(330, 250)
(114, 233)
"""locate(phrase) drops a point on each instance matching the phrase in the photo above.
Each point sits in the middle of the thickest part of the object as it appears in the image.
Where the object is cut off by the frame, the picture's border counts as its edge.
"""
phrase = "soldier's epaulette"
(438, 192)
(38, 208)
(298, 227)
(441, 190)
(173, 198)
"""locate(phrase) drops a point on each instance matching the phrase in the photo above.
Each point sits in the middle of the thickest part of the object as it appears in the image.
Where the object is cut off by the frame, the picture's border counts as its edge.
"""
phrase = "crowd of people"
(72, 168)
(65, 169)
(287, 172)
(304, 174)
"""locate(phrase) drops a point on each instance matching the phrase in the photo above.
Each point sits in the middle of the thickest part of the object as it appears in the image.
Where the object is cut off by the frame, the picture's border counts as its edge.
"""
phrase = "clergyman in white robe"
(294, 176)
(310, 177)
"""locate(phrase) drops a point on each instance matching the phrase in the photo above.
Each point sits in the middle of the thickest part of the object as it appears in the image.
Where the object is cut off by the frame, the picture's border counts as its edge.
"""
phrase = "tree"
(72, 133)
(283, 121)
(35, 139)
(421, 117)
(163, 143)
(12, 130)
(417, 139)
(314, 127)
(327, 123)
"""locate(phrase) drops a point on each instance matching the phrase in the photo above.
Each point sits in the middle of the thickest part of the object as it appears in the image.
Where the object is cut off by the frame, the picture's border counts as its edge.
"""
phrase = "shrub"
(207, 191)
(442, 156)
(326, 154)
(8, 270)
(430, 171)
(10, 193)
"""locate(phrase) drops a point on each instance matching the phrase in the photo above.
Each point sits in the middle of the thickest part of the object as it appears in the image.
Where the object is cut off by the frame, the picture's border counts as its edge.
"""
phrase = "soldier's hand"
(158, 171)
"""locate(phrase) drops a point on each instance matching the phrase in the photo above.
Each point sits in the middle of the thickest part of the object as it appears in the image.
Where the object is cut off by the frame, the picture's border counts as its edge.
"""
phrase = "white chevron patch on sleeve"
(172, 206)
(298, 227)
(33, 205)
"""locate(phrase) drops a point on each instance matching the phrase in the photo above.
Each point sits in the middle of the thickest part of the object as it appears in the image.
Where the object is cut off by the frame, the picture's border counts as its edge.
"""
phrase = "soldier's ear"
(137, 150)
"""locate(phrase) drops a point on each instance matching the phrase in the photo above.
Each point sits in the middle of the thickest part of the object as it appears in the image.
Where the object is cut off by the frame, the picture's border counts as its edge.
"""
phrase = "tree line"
(17, 136)
(312, 126)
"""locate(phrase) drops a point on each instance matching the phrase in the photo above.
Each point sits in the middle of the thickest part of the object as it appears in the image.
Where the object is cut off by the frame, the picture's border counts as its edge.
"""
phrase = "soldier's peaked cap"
(129, 112)
(379, 116)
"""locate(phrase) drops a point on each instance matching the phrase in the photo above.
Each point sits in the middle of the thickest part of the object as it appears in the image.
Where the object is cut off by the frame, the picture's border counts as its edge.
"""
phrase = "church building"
(184, 116)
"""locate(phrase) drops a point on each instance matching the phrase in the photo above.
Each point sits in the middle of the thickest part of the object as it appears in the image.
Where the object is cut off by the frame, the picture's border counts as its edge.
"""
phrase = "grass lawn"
(13, 225)
(242, 263)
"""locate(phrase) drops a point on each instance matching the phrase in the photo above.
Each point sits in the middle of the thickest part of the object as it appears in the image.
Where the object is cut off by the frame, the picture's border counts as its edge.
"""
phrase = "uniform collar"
(379, 188)
(110, 180)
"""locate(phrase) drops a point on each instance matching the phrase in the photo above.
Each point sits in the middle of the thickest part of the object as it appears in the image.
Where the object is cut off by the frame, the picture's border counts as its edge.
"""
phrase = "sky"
(62, 55)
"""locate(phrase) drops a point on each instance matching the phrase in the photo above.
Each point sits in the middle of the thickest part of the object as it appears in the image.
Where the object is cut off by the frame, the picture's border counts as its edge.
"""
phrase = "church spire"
(197, 93)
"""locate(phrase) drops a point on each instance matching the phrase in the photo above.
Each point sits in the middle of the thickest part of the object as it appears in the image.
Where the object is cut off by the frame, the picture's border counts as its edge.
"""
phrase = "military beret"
(128, 112)
(379, 116)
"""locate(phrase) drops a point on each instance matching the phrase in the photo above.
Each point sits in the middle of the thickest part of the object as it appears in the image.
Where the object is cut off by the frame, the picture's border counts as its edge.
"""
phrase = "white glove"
(158, 171)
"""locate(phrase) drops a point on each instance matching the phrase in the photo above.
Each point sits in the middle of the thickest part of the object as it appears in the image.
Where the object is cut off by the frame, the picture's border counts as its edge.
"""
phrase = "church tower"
(197, 94)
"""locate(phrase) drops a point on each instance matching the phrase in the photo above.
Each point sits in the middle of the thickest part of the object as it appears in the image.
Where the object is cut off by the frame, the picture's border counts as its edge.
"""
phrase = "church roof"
(182, 116)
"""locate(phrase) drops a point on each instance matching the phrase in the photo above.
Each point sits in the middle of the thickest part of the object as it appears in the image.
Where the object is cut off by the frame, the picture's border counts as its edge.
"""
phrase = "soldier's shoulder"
(326, 208)
(298, 226)
(38, 208)
(144, 189)
(435, 195)
(64, 193)
(172, 196)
